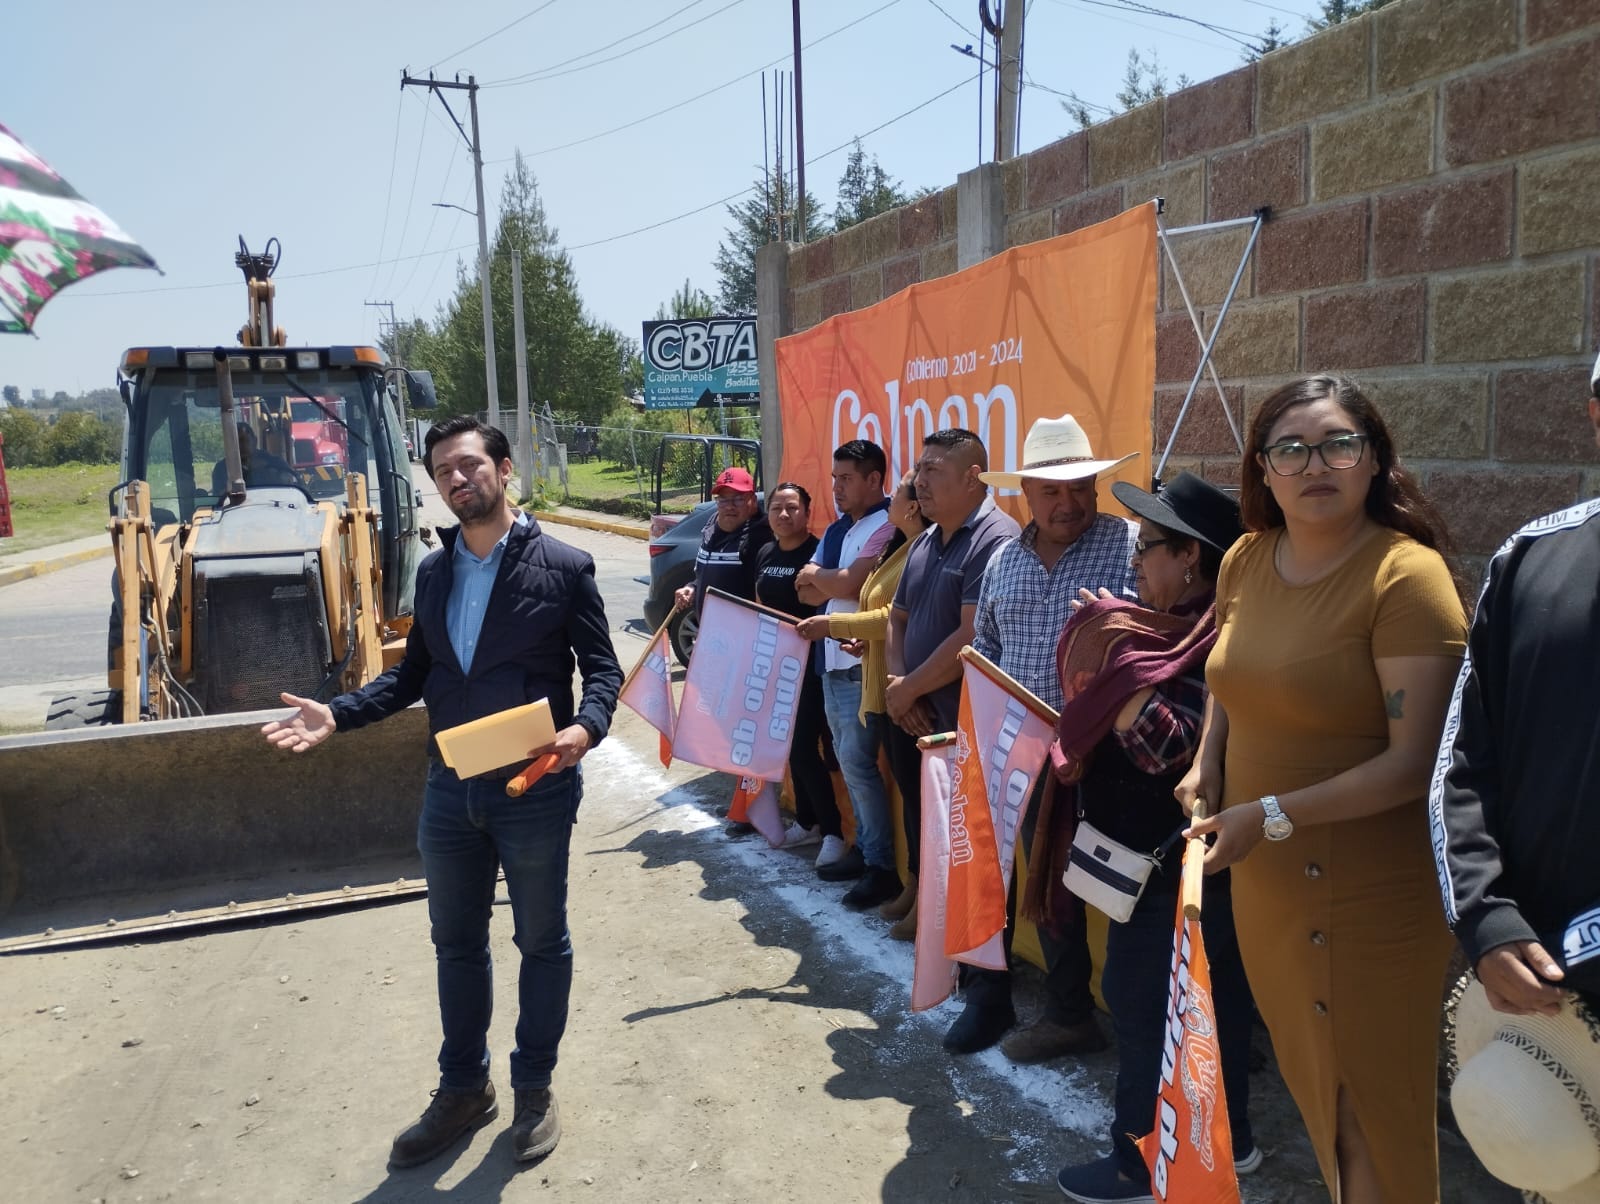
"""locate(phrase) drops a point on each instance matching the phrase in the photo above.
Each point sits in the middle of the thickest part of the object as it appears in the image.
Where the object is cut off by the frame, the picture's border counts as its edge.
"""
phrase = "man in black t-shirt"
(728, 546)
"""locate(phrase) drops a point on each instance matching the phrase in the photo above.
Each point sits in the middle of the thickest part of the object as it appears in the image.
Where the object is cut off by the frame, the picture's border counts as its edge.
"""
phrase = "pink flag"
(1002, 743)
(935, 974)
(648, 690)
(741, 690)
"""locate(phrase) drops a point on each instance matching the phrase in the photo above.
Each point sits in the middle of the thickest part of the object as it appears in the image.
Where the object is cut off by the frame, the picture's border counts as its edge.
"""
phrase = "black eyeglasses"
(1141, 546)
(1292, 457)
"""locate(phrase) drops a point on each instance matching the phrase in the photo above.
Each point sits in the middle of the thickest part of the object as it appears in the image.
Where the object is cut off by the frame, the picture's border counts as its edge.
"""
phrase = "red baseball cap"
(733, 480)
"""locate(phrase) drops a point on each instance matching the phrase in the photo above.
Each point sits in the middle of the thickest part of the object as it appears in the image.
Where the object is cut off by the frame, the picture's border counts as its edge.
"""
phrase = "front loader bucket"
(113, 831)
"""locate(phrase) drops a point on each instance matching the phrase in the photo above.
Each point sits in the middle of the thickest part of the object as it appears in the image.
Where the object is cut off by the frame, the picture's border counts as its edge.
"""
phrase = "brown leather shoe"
(906, 929)
(1045, 1039)
(450, 1116)
(898, 907)
(537, 1126)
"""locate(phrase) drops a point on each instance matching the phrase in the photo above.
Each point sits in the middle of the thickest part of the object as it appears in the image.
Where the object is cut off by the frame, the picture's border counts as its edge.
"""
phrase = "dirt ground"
(736, 1035)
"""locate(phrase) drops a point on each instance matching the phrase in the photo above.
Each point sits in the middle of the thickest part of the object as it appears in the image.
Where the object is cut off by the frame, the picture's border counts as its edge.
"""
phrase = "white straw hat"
(1056, 449)
(1527, 1096)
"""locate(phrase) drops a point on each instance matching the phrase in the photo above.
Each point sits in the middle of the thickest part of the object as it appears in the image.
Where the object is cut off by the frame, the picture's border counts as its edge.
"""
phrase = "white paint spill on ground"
(1065, 1096)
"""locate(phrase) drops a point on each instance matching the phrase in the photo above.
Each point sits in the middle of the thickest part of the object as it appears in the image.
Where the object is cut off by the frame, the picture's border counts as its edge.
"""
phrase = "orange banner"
(1002, 742)
(1190, 1149)
(648, 691)
(1061, 326)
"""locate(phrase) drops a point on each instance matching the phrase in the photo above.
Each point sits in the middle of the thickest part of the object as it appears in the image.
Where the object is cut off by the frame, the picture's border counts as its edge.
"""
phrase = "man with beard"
(502, 612)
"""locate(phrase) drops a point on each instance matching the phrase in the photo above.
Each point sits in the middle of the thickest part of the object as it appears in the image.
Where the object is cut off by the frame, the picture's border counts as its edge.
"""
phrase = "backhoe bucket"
(108, 832)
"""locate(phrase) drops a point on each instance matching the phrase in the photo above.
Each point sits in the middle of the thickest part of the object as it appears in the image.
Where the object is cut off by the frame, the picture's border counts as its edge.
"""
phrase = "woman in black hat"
(1129, 727)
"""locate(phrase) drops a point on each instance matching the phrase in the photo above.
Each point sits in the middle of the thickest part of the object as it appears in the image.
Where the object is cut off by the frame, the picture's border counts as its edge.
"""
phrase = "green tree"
(1336, 12)
(1274, 37)
(766, 216)
(687, 302)
(1143, 80)
(80, 437)
(26, 437)
(11, 395)
(865, 190)
(574, 363)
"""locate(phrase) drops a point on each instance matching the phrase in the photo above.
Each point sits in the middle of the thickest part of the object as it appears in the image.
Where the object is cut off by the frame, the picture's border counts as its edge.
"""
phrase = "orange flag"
(648, 690)
(1002, 739)
(1190, 1149)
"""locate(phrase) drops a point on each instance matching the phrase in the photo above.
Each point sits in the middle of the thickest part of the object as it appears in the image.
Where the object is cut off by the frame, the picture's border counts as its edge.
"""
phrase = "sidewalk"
(19, 566)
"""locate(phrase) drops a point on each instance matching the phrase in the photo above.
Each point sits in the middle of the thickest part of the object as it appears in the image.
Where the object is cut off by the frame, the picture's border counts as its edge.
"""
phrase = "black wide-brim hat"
(1186, 505)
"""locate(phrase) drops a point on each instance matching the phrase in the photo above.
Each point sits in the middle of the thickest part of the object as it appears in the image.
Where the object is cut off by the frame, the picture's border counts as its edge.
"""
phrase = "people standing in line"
(846, 555)
(935, 607)
(1147, 695)
(778, 565)
(727, 556)
(1340, 633)
(1024, 602)
(502, 613)
(864, 633)
(1515, 814)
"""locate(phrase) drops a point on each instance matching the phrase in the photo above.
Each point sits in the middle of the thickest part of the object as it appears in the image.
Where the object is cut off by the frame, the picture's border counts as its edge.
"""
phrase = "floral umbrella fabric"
(49, 237)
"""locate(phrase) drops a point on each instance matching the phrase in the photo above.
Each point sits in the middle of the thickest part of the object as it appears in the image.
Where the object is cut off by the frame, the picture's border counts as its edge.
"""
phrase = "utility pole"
(1006, 29)
(799, 133)
(389, 305)
(524, 430)
(436, 86)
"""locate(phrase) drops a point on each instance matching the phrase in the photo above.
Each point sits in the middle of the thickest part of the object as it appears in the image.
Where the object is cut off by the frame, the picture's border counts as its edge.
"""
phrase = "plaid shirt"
(1022, 607)
(1167, 730)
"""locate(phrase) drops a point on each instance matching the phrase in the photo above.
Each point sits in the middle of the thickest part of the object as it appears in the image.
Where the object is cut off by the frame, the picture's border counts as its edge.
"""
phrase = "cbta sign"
(1064, 326)
(696, 362)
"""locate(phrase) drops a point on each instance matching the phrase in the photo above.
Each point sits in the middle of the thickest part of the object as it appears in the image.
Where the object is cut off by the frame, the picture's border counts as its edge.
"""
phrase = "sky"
(190, 128)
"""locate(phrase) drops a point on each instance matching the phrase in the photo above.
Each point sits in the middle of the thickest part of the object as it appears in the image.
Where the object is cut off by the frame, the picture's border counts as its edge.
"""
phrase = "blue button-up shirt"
(472, 581)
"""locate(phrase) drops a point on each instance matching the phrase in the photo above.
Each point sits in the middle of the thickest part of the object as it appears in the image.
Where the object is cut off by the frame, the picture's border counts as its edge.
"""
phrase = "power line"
(473, 45)
(598, 49)
(433, 218)
(628, 125)
(1134, 6)
(539, 78)
(1277, 8)
(953, 20)
(416, 171)
(745, 191)
(394, 155)
(1083, 6)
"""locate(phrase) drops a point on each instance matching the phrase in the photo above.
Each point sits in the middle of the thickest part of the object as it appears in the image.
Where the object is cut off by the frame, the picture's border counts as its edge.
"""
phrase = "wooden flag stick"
(638, 664)
(937, 740)
(1194, 870)
(1010, 684)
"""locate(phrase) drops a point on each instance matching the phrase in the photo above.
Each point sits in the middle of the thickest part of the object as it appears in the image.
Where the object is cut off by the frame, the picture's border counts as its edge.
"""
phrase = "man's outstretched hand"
(309, 727)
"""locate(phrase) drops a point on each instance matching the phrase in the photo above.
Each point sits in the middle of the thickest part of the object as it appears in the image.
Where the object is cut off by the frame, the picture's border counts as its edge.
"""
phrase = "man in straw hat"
(1025, 601)
(1515, 809)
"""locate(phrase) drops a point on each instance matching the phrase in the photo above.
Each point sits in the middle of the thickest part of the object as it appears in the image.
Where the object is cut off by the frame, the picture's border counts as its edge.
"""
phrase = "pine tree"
(766, 216)
(687, 302)
(1336, 12)
(1274, 37)
(865, 190)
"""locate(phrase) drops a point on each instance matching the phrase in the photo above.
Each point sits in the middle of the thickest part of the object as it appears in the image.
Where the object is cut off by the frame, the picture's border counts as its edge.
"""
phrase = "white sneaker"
(795, 836)
(833, 849)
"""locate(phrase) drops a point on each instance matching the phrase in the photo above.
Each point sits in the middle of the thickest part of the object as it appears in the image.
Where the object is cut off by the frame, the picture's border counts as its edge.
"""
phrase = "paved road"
(53, 628)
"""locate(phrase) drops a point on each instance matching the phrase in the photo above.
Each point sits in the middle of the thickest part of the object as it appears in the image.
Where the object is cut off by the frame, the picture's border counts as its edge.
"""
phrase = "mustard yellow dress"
(1340, 926)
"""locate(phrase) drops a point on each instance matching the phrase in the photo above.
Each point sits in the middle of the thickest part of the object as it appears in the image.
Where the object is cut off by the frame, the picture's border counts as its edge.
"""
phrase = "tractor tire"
(98, 708)
(683, 631)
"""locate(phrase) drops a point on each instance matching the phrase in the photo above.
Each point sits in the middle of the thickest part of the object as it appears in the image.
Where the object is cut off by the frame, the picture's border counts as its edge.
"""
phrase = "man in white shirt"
(843, 560)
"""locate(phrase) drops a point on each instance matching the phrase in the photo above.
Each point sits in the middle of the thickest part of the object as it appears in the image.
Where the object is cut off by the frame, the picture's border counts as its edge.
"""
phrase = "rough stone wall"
(1433, 171)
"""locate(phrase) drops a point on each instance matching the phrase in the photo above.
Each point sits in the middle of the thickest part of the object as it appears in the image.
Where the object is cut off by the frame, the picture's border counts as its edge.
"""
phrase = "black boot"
(979, 1026)
(537, 1126)
(876, 886)
(451, 1115)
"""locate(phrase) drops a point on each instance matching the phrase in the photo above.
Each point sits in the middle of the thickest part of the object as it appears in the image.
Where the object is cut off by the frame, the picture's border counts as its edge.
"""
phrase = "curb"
(38, 568)
(575, 520)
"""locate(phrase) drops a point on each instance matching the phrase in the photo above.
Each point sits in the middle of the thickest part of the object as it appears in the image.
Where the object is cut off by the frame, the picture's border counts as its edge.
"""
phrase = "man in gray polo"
(936, 604)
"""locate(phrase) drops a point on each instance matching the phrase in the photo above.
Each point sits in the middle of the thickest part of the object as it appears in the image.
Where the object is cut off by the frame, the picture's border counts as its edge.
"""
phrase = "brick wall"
(1434, 175)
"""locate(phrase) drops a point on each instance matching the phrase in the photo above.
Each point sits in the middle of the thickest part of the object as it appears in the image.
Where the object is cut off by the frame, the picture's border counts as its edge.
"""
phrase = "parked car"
(672, 554)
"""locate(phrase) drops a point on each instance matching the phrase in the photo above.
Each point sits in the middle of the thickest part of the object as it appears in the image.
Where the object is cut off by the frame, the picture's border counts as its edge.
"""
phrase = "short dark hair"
(866, 455)
(494, 439)
(1394, 499)
(805, 497)
(957, 440)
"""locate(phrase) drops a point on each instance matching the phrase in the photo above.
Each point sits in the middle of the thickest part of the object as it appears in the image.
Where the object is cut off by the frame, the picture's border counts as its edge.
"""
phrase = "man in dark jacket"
(502, 612)
(1515, 804)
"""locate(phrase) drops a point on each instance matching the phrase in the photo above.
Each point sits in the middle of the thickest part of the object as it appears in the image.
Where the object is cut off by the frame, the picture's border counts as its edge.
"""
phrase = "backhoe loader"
(245, 564)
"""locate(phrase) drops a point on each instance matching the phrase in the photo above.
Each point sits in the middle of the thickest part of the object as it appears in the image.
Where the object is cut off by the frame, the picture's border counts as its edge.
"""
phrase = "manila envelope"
(498, 740)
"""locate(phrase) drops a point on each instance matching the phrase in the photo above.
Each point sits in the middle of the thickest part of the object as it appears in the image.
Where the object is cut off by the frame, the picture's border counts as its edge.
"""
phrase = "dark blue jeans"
(467, 831)
(1134, 982)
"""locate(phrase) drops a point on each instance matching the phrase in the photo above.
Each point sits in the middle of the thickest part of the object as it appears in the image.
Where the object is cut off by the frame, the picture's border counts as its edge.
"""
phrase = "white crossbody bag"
(1105, 873)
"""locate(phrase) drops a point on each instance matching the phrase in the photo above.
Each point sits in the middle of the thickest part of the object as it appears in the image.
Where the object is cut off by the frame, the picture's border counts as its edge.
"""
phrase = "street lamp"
(462, 208)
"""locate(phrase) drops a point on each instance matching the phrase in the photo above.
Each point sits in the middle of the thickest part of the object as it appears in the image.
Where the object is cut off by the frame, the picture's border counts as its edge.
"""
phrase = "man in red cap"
(728, 546)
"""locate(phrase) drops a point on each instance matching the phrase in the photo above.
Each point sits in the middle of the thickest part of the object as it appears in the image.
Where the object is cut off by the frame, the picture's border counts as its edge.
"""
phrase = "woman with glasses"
(1340, 634)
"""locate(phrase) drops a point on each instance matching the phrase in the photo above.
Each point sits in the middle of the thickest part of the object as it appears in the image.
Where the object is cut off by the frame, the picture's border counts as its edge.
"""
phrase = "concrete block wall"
(1433, 171)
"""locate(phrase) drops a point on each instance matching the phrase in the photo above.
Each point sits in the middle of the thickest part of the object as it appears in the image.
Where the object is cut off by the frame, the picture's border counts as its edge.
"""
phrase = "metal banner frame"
(1207, 343)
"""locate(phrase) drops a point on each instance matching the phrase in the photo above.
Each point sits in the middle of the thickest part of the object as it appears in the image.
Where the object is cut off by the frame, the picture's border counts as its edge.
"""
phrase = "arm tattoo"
(1395, 704)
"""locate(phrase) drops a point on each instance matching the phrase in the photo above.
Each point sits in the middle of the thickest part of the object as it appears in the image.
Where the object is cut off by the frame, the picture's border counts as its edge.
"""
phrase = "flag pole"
(1010, 684)
(1194, 871)
(651, 643)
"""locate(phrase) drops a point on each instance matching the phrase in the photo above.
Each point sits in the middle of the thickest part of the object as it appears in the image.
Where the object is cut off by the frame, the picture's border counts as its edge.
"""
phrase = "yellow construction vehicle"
(247, 562)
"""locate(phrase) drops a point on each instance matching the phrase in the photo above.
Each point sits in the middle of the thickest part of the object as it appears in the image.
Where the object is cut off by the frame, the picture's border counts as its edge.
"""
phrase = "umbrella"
(49, 237)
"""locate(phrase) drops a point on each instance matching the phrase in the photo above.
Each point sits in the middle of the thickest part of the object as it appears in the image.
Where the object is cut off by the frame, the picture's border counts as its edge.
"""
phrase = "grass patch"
(616, 486)
(54, 505)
